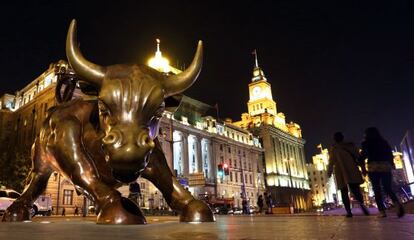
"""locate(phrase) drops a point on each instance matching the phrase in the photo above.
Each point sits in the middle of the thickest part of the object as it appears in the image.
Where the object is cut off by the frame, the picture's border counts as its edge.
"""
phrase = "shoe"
(400, 211)
(348, 215)
(364, 210)
(382, 214)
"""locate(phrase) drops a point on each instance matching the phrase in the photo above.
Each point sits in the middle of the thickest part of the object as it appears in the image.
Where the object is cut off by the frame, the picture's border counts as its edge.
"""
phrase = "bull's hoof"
(17, 213)
(121, 211)
(197, 211)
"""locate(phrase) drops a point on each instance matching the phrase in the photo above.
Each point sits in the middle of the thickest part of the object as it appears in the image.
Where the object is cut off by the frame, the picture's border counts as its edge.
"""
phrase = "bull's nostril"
(145, 141)
(149, 142)
(111, 138)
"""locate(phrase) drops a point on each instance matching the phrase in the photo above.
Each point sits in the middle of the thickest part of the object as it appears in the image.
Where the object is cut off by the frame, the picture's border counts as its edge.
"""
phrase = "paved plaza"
(226, 227)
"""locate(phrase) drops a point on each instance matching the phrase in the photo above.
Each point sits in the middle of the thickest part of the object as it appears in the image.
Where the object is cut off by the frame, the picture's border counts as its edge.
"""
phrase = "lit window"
(67, 197)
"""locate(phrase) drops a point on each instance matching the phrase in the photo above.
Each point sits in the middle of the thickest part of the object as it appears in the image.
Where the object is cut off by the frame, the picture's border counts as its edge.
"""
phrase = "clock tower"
(260, 93)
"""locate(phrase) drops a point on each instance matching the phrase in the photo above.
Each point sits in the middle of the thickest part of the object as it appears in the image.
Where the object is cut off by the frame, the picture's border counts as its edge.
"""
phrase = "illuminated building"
(323, 189)
(286, 174)
(26, 110)
(399, 173)
(193, 142)
(407, 148)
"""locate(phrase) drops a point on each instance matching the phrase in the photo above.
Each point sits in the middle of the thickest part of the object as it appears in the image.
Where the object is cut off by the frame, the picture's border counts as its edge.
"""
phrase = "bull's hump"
(77, 108)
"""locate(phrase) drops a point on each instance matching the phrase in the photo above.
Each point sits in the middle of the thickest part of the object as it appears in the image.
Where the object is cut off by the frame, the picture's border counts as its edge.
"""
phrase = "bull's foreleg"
(21, 208)
(74, 161)
(178, 198)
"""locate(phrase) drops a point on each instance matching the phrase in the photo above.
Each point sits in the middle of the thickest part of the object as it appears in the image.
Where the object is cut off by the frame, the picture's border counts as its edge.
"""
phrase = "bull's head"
(131, 101)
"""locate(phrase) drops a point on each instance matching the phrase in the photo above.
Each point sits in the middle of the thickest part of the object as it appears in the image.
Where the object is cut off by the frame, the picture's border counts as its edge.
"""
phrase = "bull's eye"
(103, 109)
(159, 112)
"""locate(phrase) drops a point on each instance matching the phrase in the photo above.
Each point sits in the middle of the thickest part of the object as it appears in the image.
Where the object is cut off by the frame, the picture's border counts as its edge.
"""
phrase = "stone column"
(210, 163)
(199, 158)
(185, 154)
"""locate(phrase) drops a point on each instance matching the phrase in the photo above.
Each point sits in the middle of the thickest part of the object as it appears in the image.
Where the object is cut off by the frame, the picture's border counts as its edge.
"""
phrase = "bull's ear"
(176, 84)
(88, 71)
(88, 88)
(173, 102)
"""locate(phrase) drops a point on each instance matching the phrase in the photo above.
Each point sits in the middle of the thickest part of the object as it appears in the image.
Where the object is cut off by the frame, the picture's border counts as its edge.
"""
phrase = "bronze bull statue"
(100, 156)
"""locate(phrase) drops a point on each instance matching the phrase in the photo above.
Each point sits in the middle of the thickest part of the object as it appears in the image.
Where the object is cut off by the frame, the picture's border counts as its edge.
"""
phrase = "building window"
(236, 177)
(67, 197)
(229, 162)
(250, 177)
(231, 177)
(221, 147)
(142, 185)
(229, 150)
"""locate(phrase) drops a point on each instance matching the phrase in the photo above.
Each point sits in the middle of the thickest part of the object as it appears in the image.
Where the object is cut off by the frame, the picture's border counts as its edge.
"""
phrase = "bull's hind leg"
(38, 177)
(178, 198)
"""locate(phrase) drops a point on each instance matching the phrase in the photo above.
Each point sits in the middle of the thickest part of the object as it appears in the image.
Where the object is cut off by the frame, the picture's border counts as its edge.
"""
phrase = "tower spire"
(158, 62)
(158, 52)
(257, 71)
(256, 65)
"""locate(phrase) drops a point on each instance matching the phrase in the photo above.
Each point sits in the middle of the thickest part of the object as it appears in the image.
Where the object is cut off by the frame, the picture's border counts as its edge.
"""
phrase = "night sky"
(332, 66)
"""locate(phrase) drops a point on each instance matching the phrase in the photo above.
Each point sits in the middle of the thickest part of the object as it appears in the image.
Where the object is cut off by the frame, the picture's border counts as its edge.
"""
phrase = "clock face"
(256, 91)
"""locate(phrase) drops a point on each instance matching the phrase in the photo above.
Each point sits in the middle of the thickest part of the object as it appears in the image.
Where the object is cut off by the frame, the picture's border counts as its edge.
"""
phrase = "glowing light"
(158, 62)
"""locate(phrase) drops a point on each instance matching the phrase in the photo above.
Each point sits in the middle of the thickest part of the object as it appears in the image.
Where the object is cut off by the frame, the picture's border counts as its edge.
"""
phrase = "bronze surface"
(100, 156)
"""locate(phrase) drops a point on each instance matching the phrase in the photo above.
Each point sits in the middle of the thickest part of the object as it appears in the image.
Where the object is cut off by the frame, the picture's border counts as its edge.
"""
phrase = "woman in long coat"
(380, 165)
(343, 162)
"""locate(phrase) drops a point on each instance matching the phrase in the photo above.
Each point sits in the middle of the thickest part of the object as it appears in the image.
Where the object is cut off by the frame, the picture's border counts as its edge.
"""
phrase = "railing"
(404, 194)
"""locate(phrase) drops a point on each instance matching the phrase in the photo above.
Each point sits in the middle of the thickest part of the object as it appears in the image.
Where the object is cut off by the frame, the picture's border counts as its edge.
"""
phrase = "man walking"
(343, 159)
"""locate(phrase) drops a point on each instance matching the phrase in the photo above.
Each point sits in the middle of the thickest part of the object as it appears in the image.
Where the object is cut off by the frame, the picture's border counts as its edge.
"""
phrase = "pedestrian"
(76, 212)
(269, 203)
(63, 211)
(343, 160)
(134, 192)
(244, 206)
(380, 164)
(260, 203)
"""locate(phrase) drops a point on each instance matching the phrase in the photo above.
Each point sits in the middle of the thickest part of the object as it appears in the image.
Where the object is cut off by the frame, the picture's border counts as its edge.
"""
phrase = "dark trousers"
(356, 191)
(384, 179)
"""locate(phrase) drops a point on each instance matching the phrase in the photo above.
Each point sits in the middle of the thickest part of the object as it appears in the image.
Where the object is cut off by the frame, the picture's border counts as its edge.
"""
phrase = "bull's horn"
(175, 84)
(90, 72)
